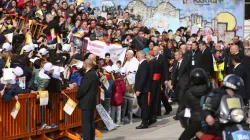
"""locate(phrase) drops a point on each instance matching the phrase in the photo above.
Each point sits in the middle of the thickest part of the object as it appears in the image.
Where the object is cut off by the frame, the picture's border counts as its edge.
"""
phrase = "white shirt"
(87, 70)
(204, 50)
(180, 62)
(157, 56)
(141, 61)
(236, 65)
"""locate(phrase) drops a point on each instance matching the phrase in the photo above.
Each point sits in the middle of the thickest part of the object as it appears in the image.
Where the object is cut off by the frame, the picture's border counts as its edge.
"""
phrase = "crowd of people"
(156, 69)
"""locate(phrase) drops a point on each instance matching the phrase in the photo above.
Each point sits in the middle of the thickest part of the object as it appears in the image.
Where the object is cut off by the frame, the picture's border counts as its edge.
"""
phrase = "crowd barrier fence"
(24, 125)
(35, 28)
(32, 116)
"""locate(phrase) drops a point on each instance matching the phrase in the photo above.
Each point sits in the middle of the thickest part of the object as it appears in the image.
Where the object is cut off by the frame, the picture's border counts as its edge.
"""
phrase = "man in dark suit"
(52, 24)
(87, 97)
(238, 42)
(240, 71)
(206, 60)
(246, 63)
(195, 55)
(142, 88)
(180, 79)
(139, 42)
(229, 52)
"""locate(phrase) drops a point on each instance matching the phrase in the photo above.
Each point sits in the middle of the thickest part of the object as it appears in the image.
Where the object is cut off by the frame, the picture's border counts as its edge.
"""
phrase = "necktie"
(176, 72)
(178, 65)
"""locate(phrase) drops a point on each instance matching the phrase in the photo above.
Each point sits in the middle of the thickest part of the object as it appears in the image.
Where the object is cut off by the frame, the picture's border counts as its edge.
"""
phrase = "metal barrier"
(74, 120)
(24, 125)
(48, 116)
(36, 28)
(30, 118)
(69, 121)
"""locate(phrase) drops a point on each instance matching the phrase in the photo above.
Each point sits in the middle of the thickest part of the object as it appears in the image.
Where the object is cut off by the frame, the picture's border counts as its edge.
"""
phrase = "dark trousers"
(190, 131)
(143, 103)
(88, 124)
(180, 94)
(167, 106)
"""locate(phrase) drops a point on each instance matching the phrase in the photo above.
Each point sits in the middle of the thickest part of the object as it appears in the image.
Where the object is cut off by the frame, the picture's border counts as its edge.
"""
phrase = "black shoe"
(142, 126)
(176, 118)
(167, 112)
(152, 122)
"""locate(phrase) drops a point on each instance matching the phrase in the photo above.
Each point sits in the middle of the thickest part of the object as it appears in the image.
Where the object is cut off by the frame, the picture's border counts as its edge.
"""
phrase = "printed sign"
(96, 47)
(44, 97)
(105, 117)
(22, 82)
(15, 110)
(102, 95)
(69, 106)
(241, 135)
(52, 32)
(106, 83)
(8, 74)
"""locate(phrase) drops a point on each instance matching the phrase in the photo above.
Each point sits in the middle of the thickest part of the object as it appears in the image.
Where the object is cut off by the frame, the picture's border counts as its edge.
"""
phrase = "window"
(247, 9)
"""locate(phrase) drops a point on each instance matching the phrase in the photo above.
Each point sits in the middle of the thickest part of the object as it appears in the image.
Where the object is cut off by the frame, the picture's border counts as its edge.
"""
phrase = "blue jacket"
(108, 92)
(2, 65)
(12, 91)
(76, 77)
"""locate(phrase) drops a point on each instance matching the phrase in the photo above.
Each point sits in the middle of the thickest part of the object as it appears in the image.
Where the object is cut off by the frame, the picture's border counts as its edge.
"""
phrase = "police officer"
(199, 82)
(231, 84)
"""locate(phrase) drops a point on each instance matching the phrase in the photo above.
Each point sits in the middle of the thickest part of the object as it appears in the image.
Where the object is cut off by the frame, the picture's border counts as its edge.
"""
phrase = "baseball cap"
(115, 68)
(43, 51)
(48, 66)
(18, 71)
(28, 48)
(66, 47)
(6, 47)
(108, 69)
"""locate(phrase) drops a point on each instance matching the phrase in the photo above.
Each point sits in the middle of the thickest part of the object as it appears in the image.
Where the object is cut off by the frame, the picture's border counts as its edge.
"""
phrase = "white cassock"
(130, 68)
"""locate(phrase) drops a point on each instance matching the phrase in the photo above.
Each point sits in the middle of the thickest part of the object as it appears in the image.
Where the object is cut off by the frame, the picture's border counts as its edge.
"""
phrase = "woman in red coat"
(117, 98)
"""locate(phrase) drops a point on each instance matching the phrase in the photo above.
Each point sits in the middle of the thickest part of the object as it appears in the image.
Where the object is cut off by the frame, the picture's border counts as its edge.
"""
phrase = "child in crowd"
(219, 65)
(117, 97)
(108, 60)
(107, 86)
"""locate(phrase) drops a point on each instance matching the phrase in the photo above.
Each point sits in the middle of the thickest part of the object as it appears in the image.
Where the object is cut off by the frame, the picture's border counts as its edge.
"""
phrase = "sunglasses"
(231, 44)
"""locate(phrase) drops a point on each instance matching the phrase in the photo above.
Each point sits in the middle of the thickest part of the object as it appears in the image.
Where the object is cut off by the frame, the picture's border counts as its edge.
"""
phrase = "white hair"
(50, 16)
(130, 52)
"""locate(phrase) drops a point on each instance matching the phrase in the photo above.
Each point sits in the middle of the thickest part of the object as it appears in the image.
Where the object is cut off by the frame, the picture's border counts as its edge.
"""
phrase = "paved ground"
(165, 129)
